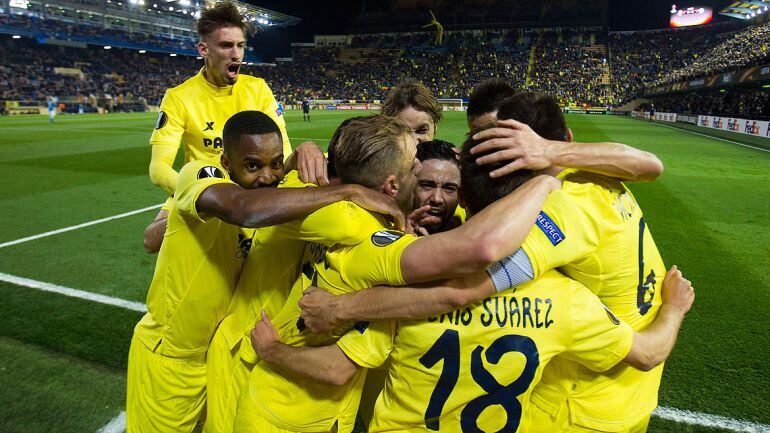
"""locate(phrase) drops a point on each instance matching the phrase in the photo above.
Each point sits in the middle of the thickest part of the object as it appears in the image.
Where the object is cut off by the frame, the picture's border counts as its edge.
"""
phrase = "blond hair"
(370, 149)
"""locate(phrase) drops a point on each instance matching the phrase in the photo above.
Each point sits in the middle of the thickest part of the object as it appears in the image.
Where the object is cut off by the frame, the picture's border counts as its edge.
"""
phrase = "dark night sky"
(335, 17)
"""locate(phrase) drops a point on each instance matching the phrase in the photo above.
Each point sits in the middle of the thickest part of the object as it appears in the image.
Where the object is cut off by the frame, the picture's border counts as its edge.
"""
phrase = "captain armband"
(511, 271)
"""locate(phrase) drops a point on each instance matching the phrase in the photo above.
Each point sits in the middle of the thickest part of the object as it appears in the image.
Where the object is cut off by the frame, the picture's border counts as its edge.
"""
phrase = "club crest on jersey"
(244, 246)
(384, 238)
(210, 171)
(612, 317)
(162, 120)
(551, 230)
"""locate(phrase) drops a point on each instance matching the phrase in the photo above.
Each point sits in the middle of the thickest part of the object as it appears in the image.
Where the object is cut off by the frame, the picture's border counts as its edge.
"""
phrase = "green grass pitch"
(62, 360)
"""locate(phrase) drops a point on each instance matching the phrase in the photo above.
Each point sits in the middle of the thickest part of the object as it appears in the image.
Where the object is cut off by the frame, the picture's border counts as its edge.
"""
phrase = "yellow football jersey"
(195, 112)
(593, 230)
(277, 255)
(473, 369)
(298, 404)
(196, 271)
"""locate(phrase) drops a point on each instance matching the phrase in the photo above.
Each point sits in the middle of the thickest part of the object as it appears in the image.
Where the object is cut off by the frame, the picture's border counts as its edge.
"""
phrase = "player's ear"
(225, 161)
(390, 186)
(569, 135)
(203, 49)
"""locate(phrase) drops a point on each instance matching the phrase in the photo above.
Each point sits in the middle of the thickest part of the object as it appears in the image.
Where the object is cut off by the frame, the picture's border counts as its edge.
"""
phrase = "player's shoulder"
(252, 81)
(582, 182)
(552, 282)
(203, 168)
(185, 86)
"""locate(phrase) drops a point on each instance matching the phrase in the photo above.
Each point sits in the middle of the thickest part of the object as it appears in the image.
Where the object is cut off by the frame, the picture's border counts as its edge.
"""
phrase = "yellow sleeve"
(564, 232)
(162, 171)
(194, 178)
(369, 344)
(599, 339)
(338, 223)
(377, 260)
(269, 106)
(170, 126)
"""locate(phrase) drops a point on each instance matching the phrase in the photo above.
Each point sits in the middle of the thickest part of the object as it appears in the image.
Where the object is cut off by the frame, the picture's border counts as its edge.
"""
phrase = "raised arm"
(487, 237)
(653, 344)
(264, 207)
(516, 142)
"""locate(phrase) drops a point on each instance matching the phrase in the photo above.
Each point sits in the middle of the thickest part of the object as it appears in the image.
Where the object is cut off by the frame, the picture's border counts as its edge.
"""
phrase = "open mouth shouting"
(233, 69)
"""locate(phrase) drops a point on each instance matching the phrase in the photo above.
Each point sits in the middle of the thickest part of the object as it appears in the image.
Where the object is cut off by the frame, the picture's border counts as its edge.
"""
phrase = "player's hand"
(515, 142)
(378, 202)
(318, 310)
(419, 218)
(677, 291)
(311, 164)
(264, 337)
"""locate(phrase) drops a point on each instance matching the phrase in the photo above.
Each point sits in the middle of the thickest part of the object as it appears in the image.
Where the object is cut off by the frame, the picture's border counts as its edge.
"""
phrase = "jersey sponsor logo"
(210, 171)
(384, 238)
(551, 230)
(209, 126)
(162, 120)
(216, 142)
(612, 317)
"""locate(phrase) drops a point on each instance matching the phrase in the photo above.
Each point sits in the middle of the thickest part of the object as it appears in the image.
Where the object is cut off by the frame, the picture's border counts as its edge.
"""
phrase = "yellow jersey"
(195, 113)
(473, 369)
(594, 231)
(278, 254)
(196, 270)
(298, 404)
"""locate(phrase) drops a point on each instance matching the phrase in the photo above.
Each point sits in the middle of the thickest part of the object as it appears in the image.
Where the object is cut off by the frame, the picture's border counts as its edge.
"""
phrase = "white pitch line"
(710, 136)
(74, 293)
(78, 226)
(708, 420)
(117, 425)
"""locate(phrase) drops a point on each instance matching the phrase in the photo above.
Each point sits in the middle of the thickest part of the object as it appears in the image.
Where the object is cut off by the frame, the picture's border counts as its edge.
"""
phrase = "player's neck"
(209, 77)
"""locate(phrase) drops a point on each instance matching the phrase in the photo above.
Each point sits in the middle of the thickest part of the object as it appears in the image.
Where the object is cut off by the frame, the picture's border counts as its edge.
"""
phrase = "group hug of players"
(301, 292)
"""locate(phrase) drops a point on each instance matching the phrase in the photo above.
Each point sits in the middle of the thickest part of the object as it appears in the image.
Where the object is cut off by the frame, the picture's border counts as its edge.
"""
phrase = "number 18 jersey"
(475, 368)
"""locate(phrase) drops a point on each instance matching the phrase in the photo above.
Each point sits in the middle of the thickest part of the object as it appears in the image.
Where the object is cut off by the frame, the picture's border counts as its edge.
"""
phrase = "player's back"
(622, 265)
(475, 368)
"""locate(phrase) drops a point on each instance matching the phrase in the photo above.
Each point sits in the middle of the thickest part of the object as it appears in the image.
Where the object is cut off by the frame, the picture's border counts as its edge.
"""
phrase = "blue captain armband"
(511, 271)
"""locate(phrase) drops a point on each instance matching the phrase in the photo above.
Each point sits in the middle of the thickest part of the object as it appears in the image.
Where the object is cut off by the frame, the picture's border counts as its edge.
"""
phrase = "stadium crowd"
(753, 105)
(94, 76)
(93, 33)
(578, 67)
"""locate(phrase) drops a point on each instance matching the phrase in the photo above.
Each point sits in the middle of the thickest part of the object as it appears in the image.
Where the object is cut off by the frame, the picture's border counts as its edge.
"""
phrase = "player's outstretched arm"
(264, 207)
(489, 236)
(162, 171)
(516, 142)
(323, 312)
(653, 345)
(325, 364)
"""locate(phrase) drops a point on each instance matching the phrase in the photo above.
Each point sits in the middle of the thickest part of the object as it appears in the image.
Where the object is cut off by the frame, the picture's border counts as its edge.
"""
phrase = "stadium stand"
(585, 66)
